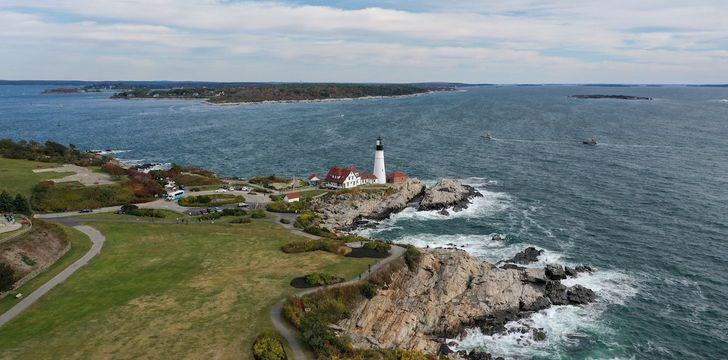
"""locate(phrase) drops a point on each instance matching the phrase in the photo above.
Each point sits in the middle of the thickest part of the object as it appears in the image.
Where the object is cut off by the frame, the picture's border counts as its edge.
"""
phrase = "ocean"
(647, 207)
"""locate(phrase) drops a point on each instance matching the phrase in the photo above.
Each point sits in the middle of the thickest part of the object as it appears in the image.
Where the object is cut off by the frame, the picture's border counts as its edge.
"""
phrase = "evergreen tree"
(7, 277)
(21, 205)
(6, 202)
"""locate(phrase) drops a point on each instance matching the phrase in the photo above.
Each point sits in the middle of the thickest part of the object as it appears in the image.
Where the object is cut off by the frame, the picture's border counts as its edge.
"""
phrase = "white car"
(242, 205)
(221, 190)
(245, 188)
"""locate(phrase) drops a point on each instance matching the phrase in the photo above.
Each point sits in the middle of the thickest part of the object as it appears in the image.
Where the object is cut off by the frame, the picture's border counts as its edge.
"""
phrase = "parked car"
(242, 205)
(221, 190)
(85, 211)
(245, 188)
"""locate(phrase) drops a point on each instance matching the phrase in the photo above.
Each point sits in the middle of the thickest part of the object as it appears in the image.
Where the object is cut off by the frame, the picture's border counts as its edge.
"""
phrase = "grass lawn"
(167, 292)
(17, 176)
(80, 244)
(311, 193)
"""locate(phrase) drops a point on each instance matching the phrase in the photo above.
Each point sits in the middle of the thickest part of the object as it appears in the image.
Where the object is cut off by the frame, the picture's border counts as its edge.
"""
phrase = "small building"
(314, 180)
(396, 177)
(292, 197)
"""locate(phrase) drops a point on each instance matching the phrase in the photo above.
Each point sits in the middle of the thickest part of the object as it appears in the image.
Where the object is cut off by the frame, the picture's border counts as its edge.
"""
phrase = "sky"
(513, 41)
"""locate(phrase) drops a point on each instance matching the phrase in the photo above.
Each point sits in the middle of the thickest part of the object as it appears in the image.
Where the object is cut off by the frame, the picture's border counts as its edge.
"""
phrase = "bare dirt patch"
(81, 174)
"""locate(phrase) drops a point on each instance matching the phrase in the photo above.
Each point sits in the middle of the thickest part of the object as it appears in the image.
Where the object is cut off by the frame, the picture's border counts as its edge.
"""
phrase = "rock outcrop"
(448, 292)
(342, 211)
(448, 193)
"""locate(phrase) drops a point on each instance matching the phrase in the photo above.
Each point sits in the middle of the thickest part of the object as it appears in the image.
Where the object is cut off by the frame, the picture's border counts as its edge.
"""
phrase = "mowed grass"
(17, 176)
(80, 243)
(169, 292)
(169, 215)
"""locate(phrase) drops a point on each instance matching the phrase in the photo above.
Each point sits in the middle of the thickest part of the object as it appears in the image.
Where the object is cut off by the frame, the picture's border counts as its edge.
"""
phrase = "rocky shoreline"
(348, 210)
(451, 291)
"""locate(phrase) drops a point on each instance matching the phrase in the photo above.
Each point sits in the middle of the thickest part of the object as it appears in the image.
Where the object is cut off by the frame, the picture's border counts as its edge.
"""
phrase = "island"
(283, 92)
(613, 97)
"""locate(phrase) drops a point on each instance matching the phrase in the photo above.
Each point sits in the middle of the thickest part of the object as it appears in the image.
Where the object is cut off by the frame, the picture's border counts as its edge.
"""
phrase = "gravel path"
(98, 241)
(286, 330)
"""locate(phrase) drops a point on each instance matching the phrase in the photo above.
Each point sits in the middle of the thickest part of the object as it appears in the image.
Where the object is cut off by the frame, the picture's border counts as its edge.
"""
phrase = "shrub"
(210, 216)
(19, 204)
(330, 245)
(241, 221)
(378, 246)
(285, 221)
(322, 232)
(48, 196)
(7, 277)
(145, 213)
(128, 207)
(258, 214)
(27, 260)
(320, 279)
(412, 257)
(306, 219)
(234, 212)
(368, 290)
(268, 346)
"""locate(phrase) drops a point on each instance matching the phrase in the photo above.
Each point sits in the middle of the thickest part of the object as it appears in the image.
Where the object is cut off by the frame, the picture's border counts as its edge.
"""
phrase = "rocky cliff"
(448, 292)
(342, 210)
(448, 193)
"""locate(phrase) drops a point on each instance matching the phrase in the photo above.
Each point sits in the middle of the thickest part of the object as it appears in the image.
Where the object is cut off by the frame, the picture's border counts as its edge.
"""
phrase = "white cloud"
(464, 39)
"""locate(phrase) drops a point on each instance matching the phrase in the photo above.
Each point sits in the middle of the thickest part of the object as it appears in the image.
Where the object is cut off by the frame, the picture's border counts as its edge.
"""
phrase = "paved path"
(23, 231)
(286, 330)
(98, 241)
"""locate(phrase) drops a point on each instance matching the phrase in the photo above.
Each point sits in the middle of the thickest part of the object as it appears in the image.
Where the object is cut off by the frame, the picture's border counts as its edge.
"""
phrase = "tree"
(21, 205)
(7, 277)
(6, 202)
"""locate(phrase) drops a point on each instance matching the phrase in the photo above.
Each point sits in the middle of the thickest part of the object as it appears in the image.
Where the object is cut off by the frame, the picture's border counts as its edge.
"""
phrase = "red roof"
(397, 174)
(366, 176)
(293, 195)
(338, 175)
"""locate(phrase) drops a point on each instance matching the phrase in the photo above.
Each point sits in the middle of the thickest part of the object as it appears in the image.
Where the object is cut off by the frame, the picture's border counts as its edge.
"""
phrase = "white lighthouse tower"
(379, 163)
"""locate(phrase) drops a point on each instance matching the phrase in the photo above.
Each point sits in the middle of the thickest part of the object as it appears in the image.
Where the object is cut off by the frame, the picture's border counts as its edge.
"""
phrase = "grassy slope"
(17, 176)
(168, 291)
(80, 244)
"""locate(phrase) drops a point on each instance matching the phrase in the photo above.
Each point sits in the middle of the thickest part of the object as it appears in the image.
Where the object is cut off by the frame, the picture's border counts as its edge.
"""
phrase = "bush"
(210, 200)
(268, 346)
(19, 204)
(234, 212)
(321, 279)
(322, 232)
(241, 221)
(368, 290)
(412, 257)
(210, 216)
(306, 219)
(145, 213)
(7, 277)
(378, 246)
(330, 245)
(127, 207)
(281, 206)
(285, 221)
(258, 214)
(48, 196)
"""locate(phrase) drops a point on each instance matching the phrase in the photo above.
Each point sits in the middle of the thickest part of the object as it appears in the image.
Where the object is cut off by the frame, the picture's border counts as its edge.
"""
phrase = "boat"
(486, 136)
(591, 141)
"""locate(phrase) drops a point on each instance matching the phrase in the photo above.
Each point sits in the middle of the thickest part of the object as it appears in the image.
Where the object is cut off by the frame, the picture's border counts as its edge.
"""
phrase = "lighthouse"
(379, 162)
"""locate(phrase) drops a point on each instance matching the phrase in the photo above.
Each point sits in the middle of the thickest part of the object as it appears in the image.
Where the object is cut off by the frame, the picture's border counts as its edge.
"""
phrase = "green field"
(168, 216)
(312, 193)
(80, 244)
(17, 176)
(169, 291)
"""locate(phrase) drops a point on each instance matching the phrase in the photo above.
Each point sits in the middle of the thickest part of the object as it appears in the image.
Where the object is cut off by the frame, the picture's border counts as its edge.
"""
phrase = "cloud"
(569, 38)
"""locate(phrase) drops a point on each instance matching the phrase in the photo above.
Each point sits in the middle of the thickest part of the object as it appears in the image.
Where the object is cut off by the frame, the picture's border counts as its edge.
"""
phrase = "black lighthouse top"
(380, 143)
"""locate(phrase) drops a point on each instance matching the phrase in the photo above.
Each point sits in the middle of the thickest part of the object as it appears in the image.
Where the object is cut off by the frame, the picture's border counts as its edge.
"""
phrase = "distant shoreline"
(306, 101)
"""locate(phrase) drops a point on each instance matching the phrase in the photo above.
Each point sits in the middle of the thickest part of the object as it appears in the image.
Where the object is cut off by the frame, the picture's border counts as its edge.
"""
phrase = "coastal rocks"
(448, 193)
(527, 256)
(555, 272)
(343, 211)
(448, 292)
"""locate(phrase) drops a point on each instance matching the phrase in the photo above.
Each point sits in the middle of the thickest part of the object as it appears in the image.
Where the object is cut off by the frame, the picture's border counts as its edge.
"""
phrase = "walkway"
(288, 333)
(98, 241)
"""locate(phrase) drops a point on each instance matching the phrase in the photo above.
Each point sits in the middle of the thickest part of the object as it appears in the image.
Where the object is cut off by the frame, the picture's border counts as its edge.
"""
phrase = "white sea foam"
(563, 325)
(723, 100)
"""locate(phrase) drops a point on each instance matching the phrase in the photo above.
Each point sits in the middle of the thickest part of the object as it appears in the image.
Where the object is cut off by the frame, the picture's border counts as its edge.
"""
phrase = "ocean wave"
(490, 203)
(564, 325)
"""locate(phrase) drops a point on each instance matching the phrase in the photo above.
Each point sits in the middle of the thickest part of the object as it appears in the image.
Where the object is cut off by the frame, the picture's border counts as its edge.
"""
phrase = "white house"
(346, 178)
(292, 197)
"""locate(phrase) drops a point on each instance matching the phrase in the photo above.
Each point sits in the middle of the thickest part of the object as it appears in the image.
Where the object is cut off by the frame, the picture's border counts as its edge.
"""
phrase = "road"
(288, 333)
(161, 205)
(98, 242)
